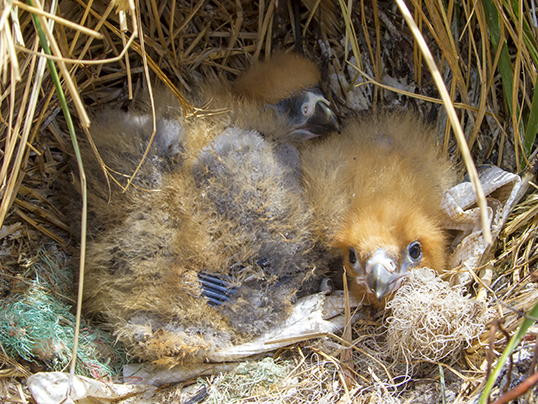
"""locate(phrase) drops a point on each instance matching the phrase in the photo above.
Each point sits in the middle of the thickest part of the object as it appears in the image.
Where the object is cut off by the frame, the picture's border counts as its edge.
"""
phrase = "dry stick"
(17, 32)
(60, 20)
(82, 21)
(38, 226)
(346, 357)
(10, 191)
(100, 22)
(42, 200)
(310, 16)
(187, 108)
(79, 60)
(123, 30)
(263, 31)
(150, 91)
(43, 214)
(519, 390)
(83, 116)
(362, 352)
(15, 74)
(3, 18)
(189, 17)
(482, 72)
(377, 64)
(10, 143)
(350, 32)
(196, 40)
(172, 39)
(366, 34)
(97, 62)
(417, 56)
(340, 370)
(236, 28)
(371, 80)
(157, 18)
(17, 174)
(471, 169)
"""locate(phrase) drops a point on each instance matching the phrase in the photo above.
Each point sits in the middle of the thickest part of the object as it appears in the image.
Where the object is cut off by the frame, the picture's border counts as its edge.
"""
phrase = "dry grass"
(107, 53)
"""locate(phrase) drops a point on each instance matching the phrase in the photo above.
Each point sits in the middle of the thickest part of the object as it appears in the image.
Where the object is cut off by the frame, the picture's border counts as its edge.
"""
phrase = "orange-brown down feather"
(376, 190)
(283, 75)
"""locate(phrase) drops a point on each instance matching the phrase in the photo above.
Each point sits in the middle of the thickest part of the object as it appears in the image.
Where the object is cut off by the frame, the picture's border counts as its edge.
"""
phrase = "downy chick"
(212, 242)
(376, 190)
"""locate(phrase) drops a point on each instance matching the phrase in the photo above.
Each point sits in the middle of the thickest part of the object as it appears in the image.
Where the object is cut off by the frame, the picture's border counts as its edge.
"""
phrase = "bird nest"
(107, 53)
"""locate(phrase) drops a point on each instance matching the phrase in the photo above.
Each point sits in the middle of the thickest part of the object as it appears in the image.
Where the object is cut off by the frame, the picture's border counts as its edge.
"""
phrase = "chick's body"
(376, 190)
(212, 242)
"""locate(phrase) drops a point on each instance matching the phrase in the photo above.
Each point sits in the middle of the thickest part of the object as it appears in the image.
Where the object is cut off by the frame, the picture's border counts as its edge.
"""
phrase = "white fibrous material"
(431, 319)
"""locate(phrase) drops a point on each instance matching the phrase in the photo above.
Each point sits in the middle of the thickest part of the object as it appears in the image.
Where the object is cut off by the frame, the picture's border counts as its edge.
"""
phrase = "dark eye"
(352, 257)
(415, 251)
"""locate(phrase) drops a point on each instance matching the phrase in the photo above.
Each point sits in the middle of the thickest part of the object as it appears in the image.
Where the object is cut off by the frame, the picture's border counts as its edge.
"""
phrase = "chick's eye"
(415, 251)
(352, 256)
(305, 110)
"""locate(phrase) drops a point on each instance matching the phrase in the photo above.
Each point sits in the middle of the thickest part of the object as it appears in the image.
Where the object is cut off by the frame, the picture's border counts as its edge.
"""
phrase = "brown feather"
(379, 185)
(271, 81)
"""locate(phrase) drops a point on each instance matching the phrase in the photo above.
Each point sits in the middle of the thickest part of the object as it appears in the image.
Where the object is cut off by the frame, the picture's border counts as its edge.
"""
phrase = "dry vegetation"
(106, 53)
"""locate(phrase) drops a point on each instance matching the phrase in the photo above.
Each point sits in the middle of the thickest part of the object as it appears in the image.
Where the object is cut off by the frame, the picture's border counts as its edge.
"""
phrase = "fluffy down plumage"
(376, 190)
(217, 208)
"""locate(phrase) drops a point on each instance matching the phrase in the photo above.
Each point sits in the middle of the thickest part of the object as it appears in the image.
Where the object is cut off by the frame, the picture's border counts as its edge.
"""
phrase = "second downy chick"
(198, 255)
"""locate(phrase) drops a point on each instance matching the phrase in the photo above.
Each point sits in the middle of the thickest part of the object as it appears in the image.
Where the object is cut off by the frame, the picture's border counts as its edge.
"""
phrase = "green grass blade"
(532, 125)
(514, 342)
(505, 65)
(528, 36)
(63, 103)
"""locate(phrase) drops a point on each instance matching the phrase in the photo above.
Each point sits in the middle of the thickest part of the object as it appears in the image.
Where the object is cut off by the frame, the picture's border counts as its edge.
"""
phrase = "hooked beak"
(379, 281)
(322, 121)
(381, 277)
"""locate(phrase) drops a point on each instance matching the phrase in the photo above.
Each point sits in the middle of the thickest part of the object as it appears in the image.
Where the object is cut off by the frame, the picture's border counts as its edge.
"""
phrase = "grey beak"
(323, 120)
(379, 281)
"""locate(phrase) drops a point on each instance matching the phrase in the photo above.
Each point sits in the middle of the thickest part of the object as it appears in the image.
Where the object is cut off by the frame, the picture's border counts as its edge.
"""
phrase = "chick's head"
(288, 84)
(384, 239)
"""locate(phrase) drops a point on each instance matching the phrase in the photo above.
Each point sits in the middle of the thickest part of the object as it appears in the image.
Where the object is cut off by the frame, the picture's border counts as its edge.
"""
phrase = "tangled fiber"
(38, 326)
(431, 319)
